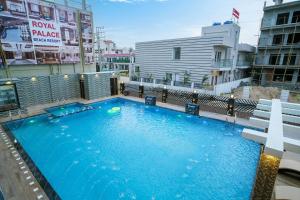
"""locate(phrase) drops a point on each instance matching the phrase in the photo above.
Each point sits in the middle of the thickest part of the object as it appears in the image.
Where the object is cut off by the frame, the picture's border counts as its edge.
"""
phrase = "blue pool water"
(126, 150)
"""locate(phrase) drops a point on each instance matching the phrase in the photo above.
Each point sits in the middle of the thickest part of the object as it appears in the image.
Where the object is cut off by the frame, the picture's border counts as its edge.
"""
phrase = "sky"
(129, 21)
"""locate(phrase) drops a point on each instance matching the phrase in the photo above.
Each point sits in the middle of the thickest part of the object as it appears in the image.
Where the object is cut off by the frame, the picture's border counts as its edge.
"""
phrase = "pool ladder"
(234, 119)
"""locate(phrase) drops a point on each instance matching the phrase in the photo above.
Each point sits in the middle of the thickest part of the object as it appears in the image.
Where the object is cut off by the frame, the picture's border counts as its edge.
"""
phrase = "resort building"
(278, 54)
(211, 58)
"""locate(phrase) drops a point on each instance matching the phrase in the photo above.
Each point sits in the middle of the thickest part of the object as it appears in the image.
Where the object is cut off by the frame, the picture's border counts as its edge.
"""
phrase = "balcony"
(268, 43)
(223, 64)
(266, 64)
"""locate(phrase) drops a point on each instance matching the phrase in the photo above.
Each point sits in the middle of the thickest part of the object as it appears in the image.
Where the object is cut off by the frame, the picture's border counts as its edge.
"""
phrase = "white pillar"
(192, 85)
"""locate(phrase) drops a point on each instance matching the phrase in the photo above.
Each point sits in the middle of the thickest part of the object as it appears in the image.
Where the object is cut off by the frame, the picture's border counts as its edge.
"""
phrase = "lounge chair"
(287, 192)
(290, 164)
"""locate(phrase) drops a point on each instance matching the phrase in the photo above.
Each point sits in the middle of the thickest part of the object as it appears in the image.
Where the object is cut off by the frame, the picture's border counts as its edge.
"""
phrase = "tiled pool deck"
(17, 182)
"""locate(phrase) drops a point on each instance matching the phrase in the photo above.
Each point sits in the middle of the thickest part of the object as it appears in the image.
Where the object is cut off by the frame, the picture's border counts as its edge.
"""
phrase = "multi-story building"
(278, 54)
(211, 58)
(118, 61)
(112, 58)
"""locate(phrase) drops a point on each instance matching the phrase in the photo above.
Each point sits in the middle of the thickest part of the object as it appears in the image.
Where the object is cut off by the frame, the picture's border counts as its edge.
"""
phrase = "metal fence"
(211, 103)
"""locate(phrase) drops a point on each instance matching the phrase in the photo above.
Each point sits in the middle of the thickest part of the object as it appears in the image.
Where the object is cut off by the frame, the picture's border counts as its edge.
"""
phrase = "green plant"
(204, 79)
(186, 77)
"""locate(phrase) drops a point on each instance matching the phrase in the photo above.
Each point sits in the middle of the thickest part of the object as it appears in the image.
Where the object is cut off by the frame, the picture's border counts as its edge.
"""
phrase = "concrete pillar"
(295, 76)
(263, 79)
(246, 92)
(265, 177)
(192, 85)
(284, 96)
(172, 83)
(84, 4)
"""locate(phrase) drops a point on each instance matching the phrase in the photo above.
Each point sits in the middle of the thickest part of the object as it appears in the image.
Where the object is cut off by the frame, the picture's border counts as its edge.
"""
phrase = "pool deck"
(14, 173)
(16, 180)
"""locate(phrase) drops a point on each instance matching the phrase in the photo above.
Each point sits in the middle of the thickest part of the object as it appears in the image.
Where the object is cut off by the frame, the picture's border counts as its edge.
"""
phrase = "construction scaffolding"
(269, 68)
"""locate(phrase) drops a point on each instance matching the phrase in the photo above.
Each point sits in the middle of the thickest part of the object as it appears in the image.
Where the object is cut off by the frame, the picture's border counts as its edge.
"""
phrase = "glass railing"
(224, 63)
(244, 63)
(182, 84)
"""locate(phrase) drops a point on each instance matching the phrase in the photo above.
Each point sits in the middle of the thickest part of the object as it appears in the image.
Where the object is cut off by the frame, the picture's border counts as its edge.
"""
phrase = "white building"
(211, 57)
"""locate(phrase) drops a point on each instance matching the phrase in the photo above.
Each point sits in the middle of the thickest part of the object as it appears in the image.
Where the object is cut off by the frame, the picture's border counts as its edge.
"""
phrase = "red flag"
(235, 13)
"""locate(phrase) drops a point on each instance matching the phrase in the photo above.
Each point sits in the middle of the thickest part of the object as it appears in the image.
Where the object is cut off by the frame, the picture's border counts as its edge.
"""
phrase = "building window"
(296, 17)
(282, 18)
(293, 38)
(278, 75)
(289, 59)
(278, 39)
(274, 59)
(288, 76)
(168, 77)
(177, 53)
(137, 69)
(218, 56)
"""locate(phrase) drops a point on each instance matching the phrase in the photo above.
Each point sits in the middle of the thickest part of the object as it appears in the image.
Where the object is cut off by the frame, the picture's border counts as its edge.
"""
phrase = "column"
(266, 176)
(295, 76)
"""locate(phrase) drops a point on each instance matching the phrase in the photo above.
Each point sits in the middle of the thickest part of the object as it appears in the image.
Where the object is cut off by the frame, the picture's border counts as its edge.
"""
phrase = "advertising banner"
(39, 32)
(45, 33)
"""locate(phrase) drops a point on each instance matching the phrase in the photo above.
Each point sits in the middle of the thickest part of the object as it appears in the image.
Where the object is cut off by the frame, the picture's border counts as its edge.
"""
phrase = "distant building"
(211, 58)
(278, 55)
(112, 58)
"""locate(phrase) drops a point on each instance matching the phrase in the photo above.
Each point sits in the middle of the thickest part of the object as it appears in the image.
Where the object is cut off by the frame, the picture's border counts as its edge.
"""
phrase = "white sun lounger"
(287, 192)
(291, 162)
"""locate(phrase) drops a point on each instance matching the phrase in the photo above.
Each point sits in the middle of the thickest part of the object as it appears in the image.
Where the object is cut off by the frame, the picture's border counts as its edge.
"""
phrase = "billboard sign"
(39, 32)
(45, 33)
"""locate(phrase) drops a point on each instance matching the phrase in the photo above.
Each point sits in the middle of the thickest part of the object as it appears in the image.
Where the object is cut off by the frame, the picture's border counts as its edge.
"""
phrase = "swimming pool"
(127, 150)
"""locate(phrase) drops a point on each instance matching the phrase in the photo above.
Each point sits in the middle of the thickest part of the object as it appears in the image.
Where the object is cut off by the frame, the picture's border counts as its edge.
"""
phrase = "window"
(168, 77)
(137, 69)
(218, 56)
(278, 39)
(289, 59)
(288, 76)
(177, 53)
(278, 75)
(296, 17)
(34, 8)
(282, 18)
(293, 38)
(274, 59)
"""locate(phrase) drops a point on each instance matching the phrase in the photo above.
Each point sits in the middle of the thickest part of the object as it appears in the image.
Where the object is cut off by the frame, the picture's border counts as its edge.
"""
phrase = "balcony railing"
(241, 63)
(182, 84)
(224, 63)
